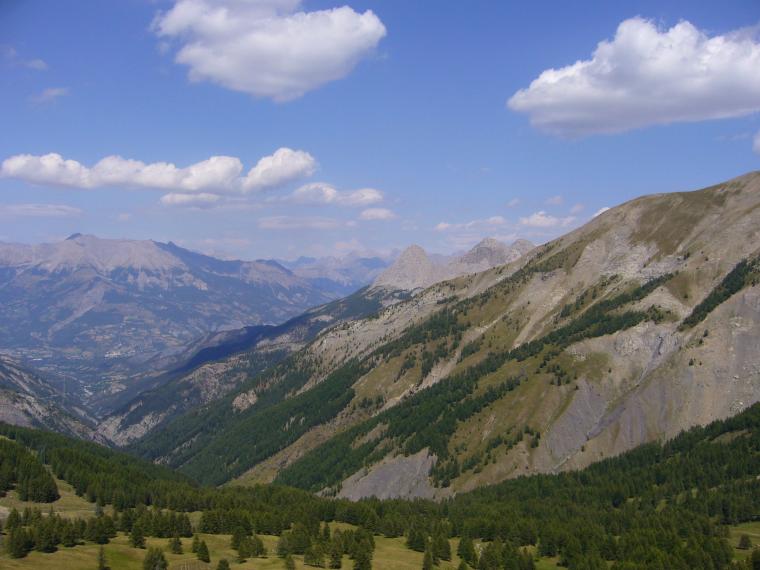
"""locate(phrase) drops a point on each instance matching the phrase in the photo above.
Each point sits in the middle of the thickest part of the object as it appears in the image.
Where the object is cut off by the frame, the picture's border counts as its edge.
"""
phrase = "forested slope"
(658, 506)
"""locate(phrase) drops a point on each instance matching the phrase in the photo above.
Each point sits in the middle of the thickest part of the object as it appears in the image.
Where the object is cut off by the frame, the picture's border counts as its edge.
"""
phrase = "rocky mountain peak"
(415, 268)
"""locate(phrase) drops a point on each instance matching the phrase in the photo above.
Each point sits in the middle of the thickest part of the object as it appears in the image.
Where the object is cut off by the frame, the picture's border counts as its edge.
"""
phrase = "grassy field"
(752, 530)
(69, 505)
(390, 553)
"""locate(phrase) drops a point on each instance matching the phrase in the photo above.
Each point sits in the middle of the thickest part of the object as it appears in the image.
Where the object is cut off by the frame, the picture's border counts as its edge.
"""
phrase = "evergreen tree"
(745, 543)
(284, 544)
(257, 547)
(238, 535)
(196, 544)
(18, 542)
(416, 539)
(68, 538)
(175, 545)
(336, 553)
(14, 520)
(463, 565)
(154, 560)
(102, 563)
(202, 553)
(441, 547)
(290, 564)
(136, 537)
(363, 558)
(223, 565)
(466, 551)
(755, 559)
(314, 556)
(427, 561)
(44, 540)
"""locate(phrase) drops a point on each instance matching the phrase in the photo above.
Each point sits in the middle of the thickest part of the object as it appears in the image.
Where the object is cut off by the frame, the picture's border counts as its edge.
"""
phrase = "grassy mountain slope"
(580, 351)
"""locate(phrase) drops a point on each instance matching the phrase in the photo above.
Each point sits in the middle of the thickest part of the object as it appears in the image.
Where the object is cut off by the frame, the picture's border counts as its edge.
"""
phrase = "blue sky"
(365, 125)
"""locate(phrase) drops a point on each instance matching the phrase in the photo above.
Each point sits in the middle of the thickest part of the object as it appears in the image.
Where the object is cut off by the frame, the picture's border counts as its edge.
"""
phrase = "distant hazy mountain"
(415, 268)
(87, 304)
(27, 399)
(350, 272)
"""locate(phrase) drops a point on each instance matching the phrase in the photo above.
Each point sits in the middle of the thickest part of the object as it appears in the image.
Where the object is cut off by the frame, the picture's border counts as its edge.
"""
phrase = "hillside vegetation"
(635, 327)
(658, 506)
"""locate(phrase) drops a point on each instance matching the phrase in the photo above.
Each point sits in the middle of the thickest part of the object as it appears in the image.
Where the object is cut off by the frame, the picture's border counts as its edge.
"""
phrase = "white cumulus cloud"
(320, 193)
(647, 76)
(268, 48)
(375, 214)
(543, 220)
(216, 174)
(201, 200)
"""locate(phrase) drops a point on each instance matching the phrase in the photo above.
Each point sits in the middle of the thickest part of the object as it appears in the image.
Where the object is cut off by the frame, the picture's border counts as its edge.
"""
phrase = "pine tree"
(463, 565)
(362, 558)
(238, 535)
(336, 553)
(18, 542)
(44, 539)
(257, 547)
(284, 544)
(290, 564)
(202, 553)
(466, 551)
(314, 556)
(755, 559)
(223, 565)
(745, 543)
(416, 539)
(175, 545)
(441, 547)
(196, 544)
(102, 563)
(14, 520)
(154, 560)
(136, 537)
(68, 539)
(427, 561)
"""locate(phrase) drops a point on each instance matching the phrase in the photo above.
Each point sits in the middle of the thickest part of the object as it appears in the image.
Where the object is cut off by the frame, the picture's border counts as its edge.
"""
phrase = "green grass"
(390, 553)
(69, 504)
(750, 529)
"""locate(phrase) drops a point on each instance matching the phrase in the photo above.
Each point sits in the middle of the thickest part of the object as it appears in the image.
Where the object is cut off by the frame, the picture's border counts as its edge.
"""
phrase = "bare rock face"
(28, 400)
(415, 269)
(622, 389)
(396, 477)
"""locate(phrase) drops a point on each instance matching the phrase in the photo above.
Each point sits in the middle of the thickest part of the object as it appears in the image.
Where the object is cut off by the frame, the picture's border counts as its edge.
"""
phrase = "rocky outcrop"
(415, 269)
(28, 400)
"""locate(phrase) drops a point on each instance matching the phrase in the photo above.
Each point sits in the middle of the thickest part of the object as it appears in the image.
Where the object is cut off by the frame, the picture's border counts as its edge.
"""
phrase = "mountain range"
(416, 269)
(445, 375)
(97, 311)
(636, 326)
